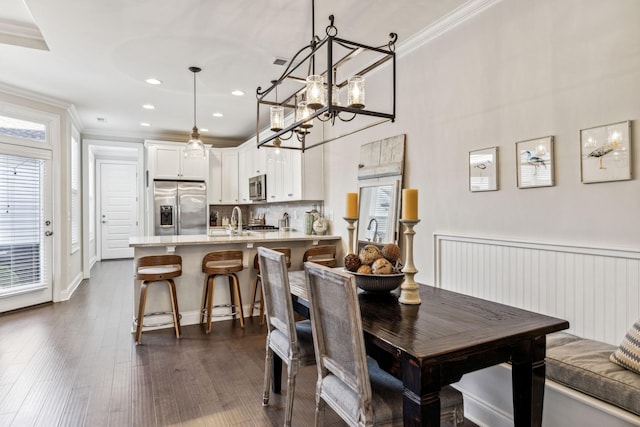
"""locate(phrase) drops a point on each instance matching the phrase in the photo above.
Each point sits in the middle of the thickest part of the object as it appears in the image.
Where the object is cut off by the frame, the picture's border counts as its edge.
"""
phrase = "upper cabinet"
(223, 178)
(167, 161)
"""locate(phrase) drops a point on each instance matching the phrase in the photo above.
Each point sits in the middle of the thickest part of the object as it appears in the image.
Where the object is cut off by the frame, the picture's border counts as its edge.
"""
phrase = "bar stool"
(155, 269)
(323, 255)
(221, 263)
(254, 292)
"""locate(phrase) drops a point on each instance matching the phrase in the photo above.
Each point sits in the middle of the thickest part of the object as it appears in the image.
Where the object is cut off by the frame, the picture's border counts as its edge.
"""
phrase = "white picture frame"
(605, 153)
(535, 163)
(483, 169)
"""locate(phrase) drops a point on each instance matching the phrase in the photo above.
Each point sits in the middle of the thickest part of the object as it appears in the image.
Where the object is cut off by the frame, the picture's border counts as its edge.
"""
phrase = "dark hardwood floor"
(76, 364)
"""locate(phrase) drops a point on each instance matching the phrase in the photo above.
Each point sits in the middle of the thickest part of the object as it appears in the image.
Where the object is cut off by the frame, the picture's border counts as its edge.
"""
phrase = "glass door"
(25, 227)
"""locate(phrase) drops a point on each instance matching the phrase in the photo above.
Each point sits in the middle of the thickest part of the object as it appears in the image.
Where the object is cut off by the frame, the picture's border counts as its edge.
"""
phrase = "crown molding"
(34, 96)
(451, 20)
(20, 34)
(104, 134)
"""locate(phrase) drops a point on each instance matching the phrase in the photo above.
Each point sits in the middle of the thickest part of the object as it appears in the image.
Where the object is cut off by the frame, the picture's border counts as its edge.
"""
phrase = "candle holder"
(350, 229)
(409, 288)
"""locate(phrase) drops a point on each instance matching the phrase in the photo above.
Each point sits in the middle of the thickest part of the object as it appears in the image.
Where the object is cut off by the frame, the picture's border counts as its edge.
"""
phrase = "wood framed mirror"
(378, 213)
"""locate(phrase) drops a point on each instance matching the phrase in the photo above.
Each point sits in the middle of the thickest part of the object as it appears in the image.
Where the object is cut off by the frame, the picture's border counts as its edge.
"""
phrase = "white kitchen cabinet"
(243, 175)
(167, 161)
(223, 178)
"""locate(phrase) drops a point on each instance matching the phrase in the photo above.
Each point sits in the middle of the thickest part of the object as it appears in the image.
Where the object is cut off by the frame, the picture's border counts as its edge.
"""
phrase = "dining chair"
(288, 339)
(351, 384)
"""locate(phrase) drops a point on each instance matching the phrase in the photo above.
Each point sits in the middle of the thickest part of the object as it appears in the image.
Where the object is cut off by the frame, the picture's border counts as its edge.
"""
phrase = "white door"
(118, 210)
(26, 232)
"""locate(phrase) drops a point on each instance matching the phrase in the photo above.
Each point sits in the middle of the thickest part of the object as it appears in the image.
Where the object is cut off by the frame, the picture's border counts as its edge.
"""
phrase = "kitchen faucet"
(239, 217)
(375, 230)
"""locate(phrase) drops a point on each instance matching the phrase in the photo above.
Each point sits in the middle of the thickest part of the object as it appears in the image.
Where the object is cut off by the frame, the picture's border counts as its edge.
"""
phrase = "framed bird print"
(605, 153)
(534, 160)
(483, 169)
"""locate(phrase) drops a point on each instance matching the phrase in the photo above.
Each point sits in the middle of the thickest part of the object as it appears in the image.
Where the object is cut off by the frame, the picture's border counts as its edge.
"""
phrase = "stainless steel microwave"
(258, 188)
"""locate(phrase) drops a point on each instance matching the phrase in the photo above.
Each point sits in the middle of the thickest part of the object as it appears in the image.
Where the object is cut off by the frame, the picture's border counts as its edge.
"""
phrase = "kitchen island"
(193, 248)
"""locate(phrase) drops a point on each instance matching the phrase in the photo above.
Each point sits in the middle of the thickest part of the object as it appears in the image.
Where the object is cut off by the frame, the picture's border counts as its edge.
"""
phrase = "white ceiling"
(101, 51)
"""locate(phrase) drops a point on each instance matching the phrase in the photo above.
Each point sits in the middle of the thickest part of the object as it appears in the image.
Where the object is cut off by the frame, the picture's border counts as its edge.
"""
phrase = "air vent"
(280, 61)
(101, 119)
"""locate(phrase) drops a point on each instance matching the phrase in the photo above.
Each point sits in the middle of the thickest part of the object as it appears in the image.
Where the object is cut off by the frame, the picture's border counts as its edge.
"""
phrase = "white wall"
(519, 70)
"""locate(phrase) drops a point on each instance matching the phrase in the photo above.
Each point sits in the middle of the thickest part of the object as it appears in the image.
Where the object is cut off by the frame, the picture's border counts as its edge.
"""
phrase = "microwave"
(258, 188)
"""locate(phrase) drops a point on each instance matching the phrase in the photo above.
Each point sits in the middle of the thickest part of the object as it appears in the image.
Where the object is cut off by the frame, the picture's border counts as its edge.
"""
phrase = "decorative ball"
(364, 269)
(391, 251)
(352, 262)
(369, 253)
(382, 266)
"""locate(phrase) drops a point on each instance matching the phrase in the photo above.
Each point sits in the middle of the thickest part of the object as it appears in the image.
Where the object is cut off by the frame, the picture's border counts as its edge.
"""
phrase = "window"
(75, 192)
(22, 129)
(20, 222)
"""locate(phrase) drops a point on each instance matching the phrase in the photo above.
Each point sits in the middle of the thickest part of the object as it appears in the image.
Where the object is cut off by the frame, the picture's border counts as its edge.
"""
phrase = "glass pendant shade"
(355, 94)
(315, 93)
(195, 148)
(277, 118)
(335, 95)
(302, 112)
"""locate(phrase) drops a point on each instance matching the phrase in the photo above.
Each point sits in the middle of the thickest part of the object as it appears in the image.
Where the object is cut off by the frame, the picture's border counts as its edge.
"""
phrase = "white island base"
(192, 249)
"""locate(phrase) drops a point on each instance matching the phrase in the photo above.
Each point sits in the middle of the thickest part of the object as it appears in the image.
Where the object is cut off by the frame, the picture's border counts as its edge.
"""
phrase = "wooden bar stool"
(221, 263)
(155, 269)
(254, 292)
(323, 255)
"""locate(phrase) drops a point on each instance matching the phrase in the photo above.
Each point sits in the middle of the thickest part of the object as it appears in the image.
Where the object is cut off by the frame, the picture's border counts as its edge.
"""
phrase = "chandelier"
(332, 66)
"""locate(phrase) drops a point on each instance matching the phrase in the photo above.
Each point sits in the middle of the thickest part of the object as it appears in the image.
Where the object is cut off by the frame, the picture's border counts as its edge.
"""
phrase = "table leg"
(421, 395)
(276, 383)
(527, 378)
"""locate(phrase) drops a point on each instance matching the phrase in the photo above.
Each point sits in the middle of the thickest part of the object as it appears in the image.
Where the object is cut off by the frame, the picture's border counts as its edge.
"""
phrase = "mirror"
(378, 213)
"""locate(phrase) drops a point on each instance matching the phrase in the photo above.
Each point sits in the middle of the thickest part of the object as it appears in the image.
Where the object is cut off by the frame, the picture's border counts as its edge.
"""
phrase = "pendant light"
(194, 148)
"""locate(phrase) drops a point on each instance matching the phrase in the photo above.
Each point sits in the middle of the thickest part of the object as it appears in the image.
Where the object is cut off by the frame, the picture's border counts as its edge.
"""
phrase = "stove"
(260, 227)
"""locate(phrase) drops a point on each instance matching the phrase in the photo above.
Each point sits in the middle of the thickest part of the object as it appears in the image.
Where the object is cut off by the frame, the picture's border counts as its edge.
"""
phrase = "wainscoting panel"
(597, 290)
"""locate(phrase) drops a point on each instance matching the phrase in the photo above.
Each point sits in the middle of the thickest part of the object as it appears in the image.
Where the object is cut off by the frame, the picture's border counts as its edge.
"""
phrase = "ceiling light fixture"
(153, 81)
(149, 107)
(194, 147)
(237, 92)
(309, 96)
(217, 115)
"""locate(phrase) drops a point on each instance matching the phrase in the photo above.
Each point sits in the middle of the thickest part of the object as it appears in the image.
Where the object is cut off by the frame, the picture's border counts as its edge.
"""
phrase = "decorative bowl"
(378, 282)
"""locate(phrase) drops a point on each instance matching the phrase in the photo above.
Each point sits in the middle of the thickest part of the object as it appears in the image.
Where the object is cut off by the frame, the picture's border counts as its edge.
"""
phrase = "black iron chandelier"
(332, 64)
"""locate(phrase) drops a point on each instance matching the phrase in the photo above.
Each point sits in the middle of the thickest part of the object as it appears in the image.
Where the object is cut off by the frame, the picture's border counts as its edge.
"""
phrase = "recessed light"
(153, 81)
(217, 115)
(145, 124)
(149, 107)
(204, 130)
(237, 92)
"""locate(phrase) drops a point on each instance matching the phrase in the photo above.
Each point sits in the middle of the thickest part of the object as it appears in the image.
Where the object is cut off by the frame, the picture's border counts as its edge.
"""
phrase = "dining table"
(434, 343)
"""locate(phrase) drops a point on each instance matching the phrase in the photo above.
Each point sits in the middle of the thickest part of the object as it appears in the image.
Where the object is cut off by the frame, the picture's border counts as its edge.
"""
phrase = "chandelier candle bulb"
(303, 112)
(352, 205)
(410, 203)
(356, 92)
(277, 118)
(315, 92)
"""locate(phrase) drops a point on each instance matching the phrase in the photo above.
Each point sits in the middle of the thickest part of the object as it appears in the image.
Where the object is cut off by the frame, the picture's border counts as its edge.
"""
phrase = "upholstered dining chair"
(354, 386)
(288, 339)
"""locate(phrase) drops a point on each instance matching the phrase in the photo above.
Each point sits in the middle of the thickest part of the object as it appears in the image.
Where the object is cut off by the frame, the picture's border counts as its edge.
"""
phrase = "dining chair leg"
(268, 360)
(141, 304)
(320, 405)
(292, 370)
(262, 314)
(174, 307)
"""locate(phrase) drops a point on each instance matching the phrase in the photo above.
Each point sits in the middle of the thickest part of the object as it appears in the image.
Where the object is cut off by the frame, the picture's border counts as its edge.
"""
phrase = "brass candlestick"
(350, 229)
(409, 289)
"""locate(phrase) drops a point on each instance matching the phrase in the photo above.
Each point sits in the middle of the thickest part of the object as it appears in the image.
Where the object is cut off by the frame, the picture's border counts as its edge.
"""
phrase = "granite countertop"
(222, 237)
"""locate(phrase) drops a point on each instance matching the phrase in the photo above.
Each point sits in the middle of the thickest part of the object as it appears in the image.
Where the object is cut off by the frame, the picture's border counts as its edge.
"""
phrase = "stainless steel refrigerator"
(180, 207)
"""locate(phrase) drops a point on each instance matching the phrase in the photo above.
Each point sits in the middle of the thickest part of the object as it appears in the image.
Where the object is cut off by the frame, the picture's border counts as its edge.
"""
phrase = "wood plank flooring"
(76, 364)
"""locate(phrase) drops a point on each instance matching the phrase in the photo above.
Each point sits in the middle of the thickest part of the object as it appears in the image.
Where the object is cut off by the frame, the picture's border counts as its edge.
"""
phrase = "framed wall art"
(605, 153)
(534, 160)
(483, 169)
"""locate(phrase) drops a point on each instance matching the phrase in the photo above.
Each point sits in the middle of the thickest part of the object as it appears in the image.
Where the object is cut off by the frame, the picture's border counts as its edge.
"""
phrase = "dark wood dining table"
(449, 334)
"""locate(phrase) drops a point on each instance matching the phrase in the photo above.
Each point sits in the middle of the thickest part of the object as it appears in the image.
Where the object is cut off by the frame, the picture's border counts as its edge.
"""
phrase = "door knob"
(48, 233)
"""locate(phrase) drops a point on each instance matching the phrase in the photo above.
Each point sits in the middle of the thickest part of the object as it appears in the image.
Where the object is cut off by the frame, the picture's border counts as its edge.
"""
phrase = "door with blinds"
(25, 227)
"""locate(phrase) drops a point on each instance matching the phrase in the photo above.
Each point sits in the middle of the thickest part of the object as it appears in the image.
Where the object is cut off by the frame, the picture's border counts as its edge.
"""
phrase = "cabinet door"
(215, 177)
(243, 177)
(260, 161)
(292, 175)
(194, 169)
(165, 161)
(230, 177)
(274, 177)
